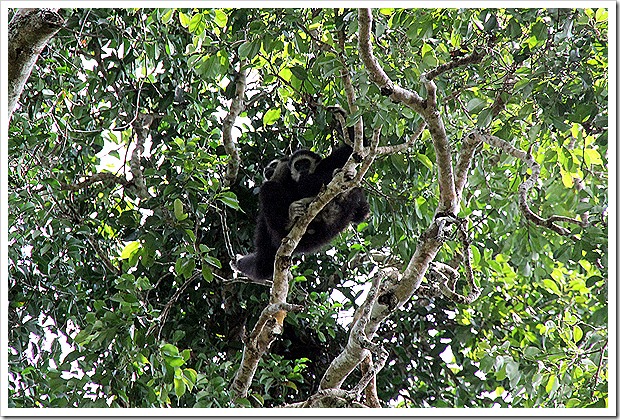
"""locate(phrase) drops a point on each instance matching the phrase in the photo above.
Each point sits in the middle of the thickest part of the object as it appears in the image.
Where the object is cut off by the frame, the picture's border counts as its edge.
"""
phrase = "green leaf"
(178, 210)
(220, 18)
(176, 361)
(552, 286)
(601, 15)
(577, 333)
(532, 353)
(184, 19)
(425, 161)
(167, 17)
(230, 199)
(243, 402)
(190, 376)
(169, 350)
(207, 273)
(484, 118)
(551, 383)
(197, 24)
(129, 249)
(475, 105)
(592, 157)
(299, 72)
(540, 32)
(249, 49)
(212, 261)
(271, 116)
(179, 387)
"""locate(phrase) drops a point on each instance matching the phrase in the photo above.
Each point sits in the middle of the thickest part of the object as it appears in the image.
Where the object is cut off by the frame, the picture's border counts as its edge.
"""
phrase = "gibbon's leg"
(275, 196)
(258, 265)
(360, 209)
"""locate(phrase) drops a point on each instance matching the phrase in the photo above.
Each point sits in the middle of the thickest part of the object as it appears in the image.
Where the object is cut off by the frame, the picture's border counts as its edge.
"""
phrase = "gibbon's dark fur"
(274, 198)
(309, 184)
(349, 207)
(299, 179)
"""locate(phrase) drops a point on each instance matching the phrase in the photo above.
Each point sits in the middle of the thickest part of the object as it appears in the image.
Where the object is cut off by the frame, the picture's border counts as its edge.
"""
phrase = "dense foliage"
(117, 300)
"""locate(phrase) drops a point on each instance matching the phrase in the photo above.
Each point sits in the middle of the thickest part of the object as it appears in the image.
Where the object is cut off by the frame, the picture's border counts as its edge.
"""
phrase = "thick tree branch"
(376, 73)
(29, 32)
(267, 327)
(236, 107)
(399, 288)
(426, 108)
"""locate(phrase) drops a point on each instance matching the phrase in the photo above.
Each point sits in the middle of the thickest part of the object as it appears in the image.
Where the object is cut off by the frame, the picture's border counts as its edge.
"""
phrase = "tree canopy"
(480, 278)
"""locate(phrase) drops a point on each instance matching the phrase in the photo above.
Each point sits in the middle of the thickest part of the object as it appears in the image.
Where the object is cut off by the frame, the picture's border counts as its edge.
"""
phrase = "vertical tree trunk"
(29, 32)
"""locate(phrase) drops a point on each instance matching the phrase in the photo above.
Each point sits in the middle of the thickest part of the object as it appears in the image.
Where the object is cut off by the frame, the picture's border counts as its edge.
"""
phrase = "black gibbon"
(290, 186)
(303, 164)
(270, 169)
(274, 198)
(320, 171)
(348, 207)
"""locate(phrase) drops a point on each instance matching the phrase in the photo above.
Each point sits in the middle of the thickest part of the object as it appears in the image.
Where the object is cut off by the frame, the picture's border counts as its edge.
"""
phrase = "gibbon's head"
(302, 163)
(270, 169)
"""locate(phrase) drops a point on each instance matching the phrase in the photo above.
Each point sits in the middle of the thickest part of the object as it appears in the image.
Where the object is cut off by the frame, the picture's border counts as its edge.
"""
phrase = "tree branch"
(29, 32)
(271, 321)
(141, 129)
(98, 177)
(397, 148)
(526, 185)
(499, 103)
(236, 107)
(370, 393)
(351, 99)
(469, 147)
(473, 58)
(426, 108)
(399, 288)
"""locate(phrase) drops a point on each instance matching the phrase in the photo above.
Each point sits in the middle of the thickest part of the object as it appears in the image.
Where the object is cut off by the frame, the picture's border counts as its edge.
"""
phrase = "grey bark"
(29, 31)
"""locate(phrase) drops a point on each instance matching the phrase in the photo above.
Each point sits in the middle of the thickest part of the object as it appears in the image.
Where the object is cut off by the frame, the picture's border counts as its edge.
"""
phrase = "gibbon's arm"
(336, 160)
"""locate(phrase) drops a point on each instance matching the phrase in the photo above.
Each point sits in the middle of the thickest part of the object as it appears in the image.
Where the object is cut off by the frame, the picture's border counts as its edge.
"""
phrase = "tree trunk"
(29, 32)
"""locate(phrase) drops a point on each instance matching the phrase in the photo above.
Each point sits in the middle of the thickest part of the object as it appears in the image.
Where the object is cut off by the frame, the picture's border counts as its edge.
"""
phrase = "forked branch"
(524, 188)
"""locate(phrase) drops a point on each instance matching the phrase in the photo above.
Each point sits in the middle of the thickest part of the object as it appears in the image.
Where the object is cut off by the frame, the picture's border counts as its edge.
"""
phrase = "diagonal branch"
(473, 58)
(376, 73)
(397, 148)
(272, 319)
